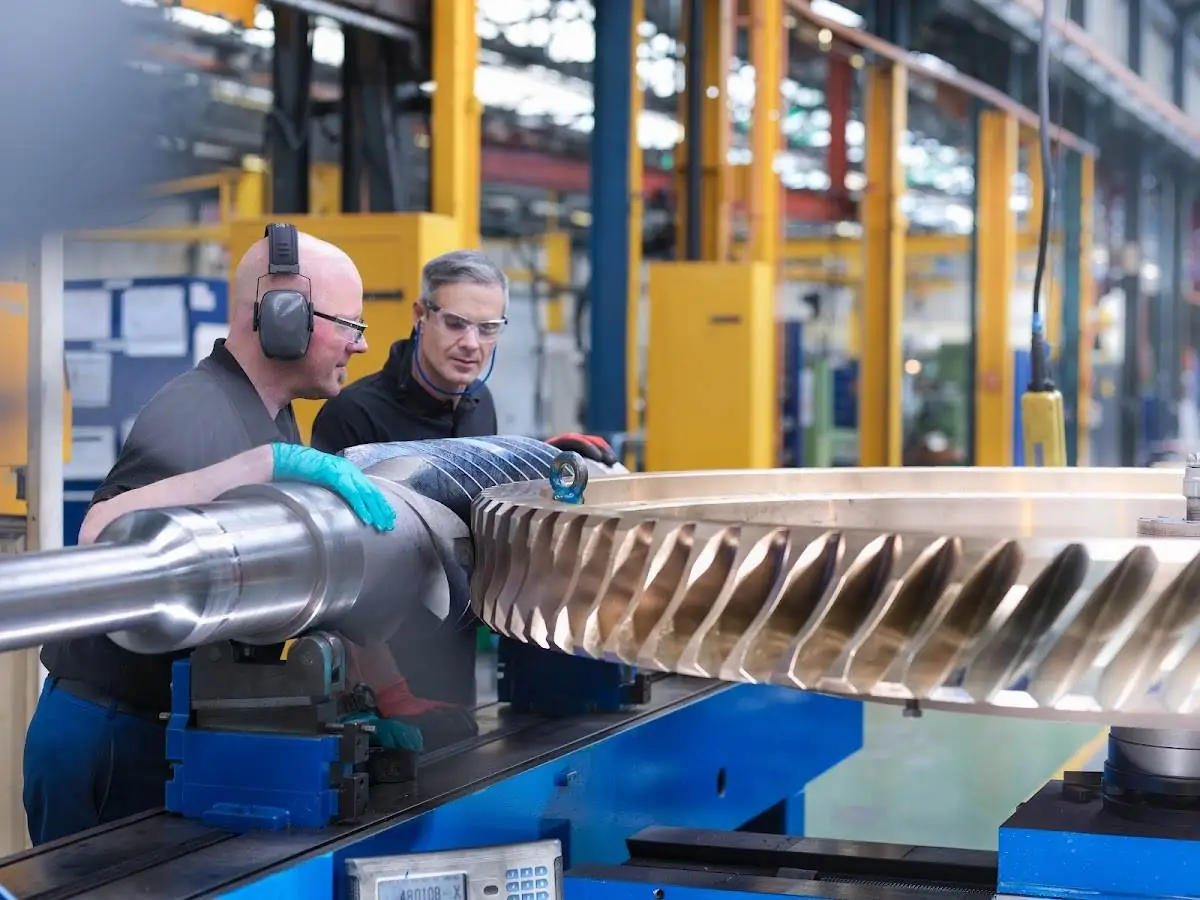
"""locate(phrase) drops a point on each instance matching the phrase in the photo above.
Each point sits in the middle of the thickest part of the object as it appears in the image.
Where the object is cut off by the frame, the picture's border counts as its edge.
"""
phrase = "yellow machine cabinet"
(390, 250)
(14, 397)
(711, 391)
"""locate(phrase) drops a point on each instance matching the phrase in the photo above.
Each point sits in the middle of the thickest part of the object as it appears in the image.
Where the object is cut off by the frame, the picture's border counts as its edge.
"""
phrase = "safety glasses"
(486, 331)
(354, 329)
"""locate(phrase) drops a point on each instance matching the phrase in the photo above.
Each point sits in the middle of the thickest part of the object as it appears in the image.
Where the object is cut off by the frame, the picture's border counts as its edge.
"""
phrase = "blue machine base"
(558, 684)
(1063, 849)
(246, 781)
(718, 762)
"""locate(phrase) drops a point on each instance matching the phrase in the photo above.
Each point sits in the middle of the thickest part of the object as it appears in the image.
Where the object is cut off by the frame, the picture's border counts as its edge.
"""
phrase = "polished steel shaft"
(267, 562)
(1024, 591)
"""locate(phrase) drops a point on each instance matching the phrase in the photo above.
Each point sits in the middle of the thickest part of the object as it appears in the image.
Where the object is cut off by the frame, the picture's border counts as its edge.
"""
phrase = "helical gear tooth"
(709, 567)
(612, 591)
(671, 548)
(585, 584)
(843, 613)
(956, 621)
(1068, 659)
(510, 574)
(758, 568)
(902, 612)
(525, 619)
(489, 550)
(1003, 652)
(1015, 600)
(809, 573)
(621, 592)
(566, 553)
(1135, 667)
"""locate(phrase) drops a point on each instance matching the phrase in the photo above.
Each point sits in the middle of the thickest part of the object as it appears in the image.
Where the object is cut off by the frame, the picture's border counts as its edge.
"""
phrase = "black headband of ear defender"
(283, 249)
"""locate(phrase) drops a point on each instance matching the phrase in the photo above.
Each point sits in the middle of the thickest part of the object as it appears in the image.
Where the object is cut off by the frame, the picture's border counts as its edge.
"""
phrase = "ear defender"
(283, 318)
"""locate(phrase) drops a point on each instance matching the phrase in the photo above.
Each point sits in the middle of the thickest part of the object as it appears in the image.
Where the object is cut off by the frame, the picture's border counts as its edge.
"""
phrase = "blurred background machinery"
(335, 116)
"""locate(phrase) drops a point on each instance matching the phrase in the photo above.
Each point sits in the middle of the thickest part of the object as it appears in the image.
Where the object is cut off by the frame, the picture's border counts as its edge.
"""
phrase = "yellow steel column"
(1087, 300)
(637, 206)
(716, 182)
(996, 226)
(325, 189)
(456, 117)
(249, 192)
(556, 263)
(767, 47)
(879, 419)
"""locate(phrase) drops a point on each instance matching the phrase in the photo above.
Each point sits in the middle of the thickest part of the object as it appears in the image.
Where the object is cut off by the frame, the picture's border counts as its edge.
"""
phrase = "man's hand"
(388, 733)
(589, 446)
(397, 701)
(293, 462)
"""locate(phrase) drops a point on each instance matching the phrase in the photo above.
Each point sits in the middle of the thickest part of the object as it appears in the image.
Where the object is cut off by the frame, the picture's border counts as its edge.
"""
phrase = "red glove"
(586, 445)
(396, 701)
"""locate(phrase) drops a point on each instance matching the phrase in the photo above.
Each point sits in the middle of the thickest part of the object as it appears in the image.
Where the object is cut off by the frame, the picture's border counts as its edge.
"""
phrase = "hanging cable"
(1043, 421)
(1038, 338)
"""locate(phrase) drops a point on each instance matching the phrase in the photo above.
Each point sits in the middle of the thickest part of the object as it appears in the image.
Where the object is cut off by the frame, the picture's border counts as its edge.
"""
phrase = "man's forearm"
(374, 665)
(252, 467)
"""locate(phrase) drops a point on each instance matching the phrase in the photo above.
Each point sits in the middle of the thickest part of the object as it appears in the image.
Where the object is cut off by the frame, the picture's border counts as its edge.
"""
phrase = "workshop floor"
(944, 779)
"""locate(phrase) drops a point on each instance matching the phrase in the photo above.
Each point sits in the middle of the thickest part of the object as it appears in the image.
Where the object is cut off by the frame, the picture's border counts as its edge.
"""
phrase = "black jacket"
(437, 658)
(392, 405)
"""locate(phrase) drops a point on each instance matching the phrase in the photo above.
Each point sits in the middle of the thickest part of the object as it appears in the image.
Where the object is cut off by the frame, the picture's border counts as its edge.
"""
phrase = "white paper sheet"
(201, 297)
(154, 321)
(203, 336)
(87, 315)
(93, 452)
(89, 375)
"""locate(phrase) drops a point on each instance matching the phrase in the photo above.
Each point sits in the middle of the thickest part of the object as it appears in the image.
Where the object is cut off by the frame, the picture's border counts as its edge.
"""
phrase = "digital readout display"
(451, 886)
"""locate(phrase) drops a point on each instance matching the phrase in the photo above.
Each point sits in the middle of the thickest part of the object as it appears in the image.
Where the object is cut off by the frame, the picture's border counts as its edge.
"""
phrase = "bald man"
(95, 750)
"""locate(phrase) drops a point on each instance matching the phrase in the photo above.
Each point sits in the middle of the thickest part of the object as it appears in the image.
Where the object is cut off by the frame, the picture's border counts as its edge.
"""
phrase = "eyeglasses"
(356, 329)
(487, 331)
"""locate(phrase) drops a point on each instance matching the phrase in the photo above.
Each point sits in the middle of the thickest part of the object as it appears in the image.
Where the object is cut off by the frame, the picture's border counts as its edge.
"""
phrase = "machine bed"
(170, 858)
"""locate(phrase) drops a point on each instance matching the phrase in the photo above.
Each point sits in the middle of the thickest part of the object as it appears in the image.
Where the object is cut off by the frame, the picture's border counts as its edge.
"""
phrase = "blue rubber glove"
(294, 462)
(390, 734)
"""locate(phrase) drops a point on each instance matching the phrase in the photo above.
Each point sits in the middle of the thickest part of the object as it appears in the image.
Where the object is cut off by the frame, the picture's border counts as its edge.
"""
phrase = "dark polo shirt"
(198, 419)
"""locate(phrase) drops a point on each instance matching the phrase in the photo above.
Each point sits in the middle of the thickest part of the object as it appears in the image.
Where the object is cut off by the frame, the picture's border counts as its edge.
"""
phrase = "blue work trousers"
(87, 764)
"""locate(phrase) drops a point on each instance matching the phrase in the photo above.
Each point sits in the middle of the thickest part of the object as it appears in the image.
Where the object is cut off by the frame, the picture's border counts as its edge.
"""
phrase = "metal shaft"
(268, 562)
(41, 602)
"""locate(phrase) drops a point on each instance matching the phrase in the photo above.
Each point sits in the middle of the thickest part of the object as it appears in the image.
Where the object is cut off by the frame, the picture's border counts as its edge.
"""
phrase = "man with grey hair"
(433, 385)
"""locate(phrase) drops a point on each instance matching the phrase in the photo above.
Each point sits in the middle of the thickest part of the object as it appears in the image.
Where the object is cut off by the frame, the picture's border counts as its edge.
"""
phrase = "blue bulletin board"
(123, 341)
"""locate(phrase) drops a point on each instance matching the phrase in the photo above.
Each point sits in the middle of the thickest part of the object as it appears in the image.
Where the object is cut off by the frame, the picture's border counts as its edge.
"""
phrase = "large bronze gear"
(1022, 591)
